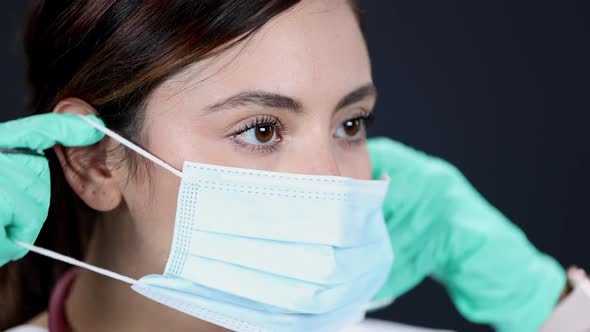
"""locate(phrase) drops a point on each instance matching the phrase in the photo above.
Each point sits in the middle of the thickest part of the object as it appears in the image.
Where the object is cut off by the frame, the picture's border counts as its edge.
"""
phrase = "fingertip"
(11, 252)
(81, 133)
(19, 253)
(95, 134)
(93, 118)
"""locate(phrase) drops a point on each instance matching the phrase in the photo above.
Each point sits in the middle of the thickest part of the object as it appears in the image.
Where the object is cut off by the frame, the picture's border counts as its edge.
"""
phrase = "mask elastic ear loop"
(75, 262)
(132, 146)
(72, 261)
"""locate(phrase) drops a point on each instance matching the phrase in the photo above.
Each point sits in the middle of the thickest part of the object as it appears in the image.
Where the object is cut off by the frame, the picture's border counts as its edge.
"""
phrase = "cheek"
(355, 163)
(151, 201)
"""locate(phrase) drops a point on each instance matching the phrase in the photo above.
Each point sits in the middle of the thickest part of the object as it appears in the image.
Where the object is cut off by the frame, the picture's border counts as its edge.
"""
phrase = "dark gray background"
(499, 88)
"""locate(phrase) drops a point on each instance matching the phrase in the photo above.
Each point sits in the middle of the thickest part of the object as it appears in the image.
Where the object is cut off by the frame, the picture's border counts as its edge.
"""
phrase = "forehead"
(316, 50)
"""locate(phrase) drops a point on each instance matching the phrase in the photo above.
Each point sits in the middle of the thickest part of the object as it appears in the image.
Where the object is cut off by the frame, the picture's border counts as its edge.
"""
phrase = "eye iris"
(352, 127)
(264, 133)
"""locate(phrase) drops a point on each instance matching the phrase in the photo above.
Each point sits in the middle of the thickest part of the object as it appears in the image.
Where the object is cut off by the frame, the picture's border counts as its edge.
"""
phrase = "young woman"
(270, 89)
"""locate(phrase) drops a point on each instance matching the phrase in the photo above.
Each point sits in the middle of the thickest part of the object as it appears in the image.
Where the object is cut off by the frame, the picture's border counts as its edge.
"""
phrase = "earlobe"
(87, 168)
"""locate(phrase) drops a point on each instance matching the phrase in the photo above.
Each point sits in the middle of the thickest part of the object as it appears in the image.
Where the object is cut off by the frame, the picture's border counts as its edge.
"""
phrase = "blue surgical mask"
(267, 251)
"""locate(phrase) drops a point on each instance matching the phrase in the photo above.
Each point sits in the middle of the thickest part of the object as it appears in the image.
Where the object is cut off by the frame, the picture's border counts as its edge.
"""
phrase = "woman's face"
(291, 99)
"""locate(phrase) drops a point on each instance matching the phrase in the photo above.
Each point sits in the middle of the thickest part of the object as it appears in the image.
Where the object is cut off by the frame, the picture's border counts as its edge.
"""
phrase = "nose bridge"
(319, 159)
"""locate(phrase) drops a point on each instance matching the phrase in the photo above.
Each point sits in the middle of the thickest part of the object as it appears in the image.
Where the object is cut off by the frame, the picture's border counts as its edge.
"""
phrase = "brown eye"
(352, 127)
(265, 133)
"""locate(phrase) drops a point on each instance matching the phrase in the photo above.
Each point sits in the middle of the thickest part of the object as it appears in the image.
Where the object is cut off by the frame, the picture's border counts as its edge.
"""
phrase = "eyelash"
(265, 120)
(365, 117)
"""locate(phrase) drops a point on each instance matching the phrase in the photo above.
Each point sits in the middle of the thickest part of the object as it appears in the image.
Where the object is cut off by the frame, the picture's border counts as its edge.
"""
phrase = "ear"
(87, 168)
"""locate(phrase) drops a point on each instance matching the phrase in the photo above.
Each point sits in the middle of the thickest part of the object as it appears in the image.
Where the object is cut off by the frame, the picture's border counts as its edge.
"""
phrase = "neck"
(98, 303)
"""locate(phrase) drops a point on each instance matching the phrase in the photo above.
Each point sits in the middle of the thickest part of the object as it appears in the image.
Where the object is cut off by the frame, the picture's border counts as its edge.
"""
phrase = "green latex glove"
(24, 179)
(440, 226)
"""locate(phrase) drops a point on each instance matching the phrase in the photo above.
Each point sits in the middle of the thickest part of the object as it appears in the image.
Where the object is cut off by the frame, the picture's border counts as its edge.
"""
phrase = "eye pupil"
(352, 127)
(264, 133)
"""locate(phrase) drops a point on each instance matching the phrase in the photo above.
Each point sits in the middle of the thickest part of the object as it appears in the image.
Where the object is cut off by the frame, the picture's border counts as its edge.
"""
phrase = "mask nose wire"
(132, 146)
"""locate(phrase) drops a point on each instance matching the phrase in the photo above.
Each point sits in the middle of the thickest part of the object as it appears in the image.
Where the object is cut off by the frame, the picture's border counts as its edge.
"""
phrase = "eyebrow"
(274, 100)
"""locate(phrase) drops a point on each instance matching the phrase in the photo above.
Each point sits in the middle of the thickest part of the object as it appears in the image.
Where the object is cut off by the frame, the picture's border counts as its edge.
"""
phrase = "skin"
(314, 54)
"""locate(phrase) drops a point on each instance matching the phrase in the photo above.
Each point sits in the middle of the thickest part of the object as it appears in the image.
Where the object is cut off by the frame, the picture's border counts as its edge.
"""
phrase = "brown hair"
(112, 54)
